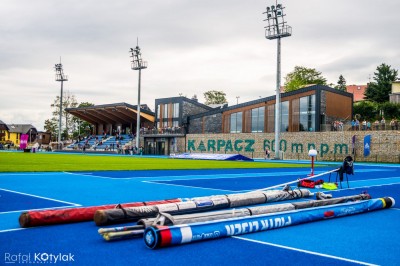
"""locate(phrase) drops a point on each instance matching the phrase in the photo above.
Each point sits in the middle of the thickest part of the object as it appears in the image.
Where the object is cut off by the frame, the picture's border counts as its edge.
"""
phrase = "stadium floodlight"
(60, 76)
(137, 64)
(277, 29)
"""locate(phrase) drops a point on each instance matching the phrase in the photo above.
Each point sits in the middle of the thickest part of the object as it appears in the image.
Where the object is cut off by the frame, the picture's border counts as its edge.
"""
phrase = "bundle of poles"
(178, 221)
(128, 212)
(167, 219)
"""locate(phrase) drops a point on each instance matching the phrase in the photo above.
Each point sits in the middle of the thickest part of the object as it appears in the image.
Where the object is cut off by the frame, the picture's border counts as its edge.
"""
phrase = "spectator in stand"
(368, 125)
(141, 150)
(357, 124)
(353, 125)
(376, 124)
(364, 125)
(392, 124)
(383, 123)
(396, 124)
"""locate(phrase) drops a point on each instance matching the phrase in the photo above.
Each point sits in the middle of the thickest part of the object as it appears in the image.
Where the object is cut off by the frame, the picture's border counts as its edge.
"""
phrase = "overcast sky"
(192, 46)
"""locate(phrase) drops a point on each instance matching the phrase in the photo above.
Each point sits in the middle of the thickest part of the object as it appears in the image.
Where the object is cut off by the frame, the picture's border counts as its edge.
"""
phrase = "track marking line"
(366, 187)
(11, 230)
(40, 197)
(304, 251)
(155, 182)
(208, 176)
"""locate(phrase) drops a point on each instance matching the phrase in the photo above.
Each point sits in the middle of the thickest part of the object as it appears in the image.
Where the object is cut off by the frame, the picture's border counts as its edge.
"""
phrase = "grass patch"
(52, 162)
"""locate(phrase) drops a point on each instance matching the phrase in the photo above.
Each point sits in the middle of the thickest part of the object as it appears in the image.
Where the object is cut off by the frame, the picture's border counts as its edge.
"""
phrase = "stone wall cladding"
(331, 146)
(191, 109)
(196, 126)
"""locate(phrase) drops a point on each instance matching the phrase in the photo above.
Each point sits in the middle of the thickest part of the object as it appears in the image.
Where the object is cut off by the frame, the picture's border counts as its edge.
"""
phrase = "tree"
(379, 90)
(341, 84)
(366, 110)
(390, 110)
(69, 101)
(302, 76)
(50, 125)
(215, 97)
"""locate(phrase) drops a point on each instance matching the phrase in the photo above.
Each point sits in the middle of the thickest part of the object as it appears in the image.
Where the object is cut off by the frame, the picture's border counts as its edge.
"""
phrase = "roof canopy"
(111, 113)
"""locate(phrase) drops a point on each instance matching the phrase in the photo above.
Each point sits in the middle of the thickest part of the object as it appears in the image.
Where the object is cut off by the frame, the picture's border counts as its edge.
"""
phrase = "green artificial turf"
(47, 162)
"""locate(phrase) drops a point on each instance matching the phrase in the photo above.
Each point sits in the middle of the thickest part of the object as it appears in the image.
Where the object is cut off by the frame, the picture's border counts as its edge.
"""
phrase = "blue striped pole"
(163, 236)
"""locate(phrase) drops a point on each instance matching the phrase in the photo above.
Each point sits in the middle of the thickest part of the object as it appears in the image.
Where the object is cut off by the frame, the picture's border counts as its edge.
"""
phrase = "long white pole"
(278, 101)
(138, 115)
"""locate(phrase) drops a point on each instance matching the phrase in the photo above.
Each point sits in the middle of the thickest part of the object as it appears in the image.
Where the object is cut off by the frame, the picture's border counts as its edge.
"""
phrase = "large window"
(257, 119)
(166, 113)
(295, 114)
(158, 111)
(271, 118)
(307, 113)
(176, 110)
(236, 122)
(285, 116)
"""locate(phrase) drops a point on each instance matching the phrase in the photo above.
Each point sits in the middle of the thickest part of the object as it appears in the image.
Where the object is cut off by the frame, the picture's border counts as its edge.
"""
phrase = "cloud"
(190, 46)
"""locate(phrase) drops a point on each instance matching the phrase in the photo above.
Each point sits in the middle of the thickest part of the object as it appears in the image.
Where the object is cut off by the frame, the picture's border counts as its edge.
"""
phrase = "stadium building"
(310, 109)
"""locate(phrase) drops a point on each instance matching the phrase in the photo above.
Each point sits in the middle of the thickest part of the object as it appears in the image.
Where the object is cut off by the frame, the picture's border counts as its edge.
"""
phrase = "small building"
(394, 97)
(3, 131)
(358, 92)
(43, 138)
(14, 132)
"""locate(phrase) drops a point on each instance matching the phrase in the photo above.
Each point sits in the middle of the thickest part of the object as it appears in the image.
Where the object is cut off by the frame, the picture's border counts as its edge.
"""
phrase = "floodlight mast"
(137, 64)
(277, 29)
(60, 76)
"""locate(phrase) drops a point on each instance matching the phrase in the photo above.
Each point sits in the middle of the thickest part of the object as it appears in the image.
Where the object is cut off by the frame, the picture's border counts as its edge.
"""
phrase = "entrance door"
(160, 149)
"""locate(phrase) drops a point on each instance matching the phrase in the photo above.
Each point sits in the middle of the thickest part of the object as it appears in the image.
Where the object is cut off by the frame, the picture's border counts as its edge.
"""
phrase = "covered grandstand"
(114, 118)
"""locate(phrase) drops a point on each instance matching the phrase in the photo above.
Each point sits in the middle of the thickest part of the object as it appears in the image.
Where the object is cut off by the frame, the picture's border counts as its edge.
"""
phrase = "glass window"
(257, 119)
(284, 116)
(295, 115)
(236, 122)
(165, 115)
(176, 110)
(158, 110)
(271, 118)
(307, 113)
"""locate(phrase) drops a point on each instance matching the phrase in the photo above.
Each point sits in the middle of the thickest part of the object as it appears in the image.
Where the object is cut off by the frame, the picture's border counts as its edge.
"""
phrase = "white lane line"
(305, 251)
(175, 185)
(11, 230)
(40, 197)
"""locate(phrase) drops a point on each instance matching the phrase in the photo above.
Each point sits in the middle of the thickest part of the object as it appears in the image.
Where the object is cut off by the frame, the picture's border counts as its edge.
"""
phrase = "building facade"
(311, 109)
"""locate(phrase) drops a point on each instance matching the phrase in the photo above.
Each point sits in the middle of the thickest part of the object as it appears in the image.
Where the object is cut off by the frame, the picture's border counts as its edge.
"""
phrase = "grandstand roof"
(111, 113)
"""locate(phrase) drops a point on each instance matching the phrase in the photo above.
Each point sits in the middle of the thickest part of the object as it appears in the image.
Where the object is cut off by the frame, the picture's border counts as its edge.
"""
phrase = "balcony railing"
(163, 131)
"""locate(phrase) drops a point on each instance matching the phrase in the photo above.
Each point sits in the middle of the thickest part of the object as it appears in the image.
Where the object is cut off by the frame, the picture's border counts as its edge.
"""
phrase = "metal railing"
(163, 131)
